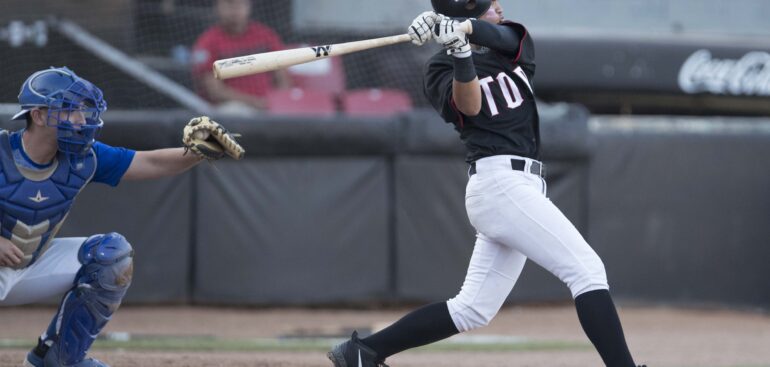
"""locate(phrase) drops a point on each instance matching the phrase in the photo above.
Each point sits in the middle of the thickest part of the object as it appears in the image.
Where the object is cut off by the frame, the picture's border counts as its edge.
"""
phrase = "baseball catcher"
(44, 166)
(208, 139)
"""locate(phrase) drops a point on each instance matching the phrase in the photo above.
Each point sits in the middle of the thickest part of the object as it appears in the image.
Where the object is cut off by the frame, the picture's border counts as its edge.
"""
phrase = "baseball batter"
(43, 167)
(482, 83)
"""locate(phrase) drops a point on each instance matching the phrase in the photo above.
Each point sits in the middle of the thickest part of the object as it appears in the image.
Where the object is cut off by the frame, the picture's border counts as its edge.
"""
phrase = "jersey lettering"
(488, 94)
(509, 89)
(523, 76)
(507, 86)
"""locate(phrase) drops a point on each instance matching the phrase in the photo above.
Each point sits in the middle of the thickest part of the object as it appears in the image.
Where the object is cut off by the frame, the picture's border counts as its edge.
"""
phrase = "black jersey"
(508, 122)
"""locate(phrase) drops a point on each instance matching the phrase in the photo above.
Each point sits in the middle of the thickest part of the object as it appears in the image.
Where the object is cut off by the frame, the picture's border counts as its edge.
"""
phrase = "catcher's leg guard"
(100, 286)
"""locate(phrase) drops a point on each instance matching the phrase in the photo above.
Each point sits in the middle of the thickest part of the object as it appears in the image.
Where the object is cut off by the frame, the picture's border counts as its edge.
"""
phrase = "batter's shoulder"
(518, 27)
(526, 49)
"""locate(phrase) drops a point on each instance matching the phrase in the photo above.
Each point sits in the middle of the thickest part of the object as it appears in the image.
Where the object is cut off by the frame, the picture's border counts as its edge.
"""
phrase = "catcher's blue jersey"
(35, 199)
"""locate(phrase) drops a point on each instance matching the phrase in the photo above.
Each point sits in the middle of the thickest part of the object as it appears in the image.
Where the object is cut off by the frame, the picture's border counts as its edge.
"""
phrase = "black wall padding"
(682, 217)
(292, 230)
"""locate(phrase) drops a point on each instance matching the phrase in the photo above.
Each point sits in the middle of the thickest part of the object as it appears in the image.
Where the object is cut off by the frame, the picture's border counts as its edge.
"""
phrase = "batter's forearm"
(497, 37)
(466, 91)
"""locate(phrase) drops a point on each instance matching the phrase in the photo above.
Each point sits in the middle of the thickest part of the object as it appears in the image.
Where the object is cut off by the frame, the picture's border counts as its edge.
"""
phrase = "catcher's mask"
(74, 107)
(461, 8)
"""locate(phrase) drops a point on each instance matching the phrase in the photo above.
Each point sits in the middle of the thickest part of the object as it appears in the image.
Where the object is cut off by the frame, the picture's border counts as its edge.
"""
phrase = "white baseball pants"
(514, 221)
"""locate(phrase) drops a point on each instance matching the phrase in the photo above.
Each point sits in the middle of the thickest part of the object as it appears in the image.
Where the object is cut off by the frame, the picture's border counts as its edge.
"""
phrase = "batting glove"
(451, 34)
(421, 29)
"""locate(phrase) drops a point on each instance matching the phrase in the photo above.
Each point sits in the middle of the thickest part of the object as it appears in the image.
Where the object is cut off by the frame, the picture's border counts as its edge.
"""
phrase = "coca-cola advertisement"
(656, 75)
(745, 76)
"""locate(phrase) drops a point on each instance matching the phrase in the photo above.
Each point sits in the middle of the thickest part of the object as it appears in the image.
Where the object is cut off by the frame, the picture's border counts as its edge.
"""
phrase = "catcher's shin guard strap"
(100, 286)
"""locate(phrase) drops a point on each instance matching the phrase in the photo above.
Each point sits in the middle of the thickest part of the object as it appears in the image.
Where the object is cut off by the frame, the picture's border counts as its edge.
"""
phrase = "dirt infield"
(541, 336)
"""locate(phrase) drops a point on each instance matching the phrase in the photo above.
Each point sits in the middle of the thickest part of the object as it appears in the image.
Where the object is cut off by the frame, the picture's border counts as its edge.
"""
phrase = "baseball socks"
(423, 326)
(432, 323)
(601, 324)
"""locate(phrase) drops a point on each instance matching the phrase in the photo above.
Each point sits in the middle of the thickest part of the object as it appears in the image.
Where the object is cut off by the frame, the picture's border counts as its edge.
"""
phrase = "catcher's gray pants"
(514, 221)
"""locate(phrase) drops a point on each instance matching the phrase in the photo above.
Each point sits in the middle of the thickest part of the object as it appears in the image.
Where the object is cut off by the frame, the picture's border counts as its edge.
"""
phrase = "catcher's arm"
(158, 163)
(203, 137)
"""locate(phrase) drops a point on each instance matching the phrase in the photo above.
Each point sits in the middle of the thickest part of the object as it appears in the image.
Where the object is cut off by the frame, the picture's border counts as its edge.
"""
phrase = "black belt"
(536, 168)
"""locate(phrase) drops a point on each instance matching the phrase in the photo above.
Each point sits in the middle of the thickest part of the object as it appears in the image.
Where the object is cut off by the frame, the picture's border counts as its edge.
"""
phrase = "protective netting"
(140, 52)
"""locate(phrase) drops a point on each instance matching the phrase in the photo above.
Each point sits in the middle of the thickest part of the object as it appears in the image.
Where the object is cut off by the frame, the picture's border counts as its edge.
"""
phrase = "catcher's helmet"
(74, 106)
(461, 8)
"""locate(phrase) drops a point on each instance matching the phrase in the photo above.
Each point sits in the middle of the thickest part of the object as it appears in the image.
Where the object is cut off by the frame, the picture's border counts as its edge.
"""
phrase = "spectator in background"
(236, 34)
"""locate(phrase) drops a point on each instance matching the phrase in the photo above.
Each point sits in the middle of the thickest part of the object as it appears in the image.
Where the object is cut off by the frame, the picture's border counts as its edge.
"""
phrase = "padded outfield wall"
(352, 211)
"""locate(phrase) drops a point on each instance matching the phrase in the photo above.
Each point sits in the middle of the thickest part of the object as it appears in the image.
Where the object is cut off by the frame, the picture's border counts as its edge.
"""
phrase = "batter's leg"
(525, 219)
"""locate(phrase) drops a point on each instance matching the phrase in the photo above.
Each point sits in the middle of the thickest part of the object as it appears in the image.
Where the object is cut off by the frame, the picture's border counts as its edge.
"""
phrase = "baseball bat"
(269, 61)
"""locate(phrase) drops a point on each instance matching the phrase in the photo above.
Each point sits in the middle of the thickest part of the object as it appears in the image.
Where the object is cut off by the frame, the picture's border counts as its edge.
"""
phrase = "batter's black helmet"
(461, 8)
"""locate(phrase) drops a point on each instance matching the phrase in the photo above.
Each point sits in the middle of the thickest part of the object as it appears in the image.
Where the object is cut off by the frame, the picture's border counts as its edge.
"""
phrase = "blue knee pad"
(100, 285)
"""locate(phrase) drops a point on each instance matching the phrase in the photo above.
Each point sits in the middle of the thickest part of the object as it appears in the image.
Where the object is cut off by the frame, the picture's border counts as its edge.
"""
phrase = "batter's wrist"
(465, 71)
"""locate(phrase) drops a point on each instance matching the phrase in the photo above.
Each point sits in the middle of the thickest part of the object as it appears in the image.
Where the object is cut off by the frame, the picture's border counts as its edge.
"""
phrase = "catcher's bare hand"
(421, 29)
(10, 255)
(208, 139)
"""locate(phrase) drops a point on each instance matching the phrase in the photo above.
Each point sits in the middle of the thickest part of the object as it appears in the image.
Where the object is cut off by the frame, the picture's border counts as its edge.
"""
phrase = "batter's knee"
(469, 316)
(107, 261)
(592, 277)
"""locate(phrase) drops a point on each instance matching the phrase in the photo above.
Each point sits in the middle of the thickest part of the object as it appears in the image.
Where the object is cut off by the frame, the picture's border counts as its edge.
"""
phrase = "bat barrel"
(254, 64)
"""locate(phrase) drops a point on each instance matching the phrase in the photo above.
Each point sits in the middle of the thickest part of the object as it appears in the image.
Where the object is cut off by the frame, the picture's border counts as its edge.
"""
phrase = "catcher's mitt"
(208, 139)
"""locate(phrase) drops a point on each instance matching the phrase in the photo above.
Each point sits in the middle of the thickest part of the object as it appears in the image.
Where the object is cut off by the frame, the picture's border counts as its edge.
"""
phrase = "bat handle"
(466, 26)
(402, 38)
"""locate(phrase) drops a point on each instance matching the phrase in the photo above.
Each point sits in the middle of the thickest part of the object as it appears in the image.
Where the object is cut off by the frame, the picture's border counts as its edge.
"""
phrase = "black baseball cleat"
(353, 353)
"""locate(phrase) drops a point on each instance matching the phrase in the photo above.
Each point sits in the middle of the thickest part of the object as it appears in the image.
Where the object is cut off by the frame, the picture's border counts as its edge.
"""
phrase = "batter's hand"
(421, 29)
(450, 33)
(10, 255)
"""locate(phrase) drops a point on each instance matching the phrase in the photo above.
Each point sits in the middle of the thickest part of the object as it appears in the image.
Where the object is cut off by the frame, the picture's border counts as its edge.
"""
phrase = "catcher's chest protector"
(33, 208)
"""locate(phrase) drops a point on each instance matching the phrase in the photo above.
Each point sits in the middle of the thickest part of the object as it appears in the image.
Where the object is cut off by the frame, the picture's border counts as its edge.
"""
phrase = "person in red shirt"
(236, 34)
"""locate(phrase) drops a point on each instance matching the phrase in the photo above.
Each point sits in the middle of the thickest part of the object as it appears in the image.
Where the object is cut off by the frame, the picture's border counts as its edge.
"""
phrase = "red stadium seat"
(299, 101)
(325, 74)
(375, 102)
